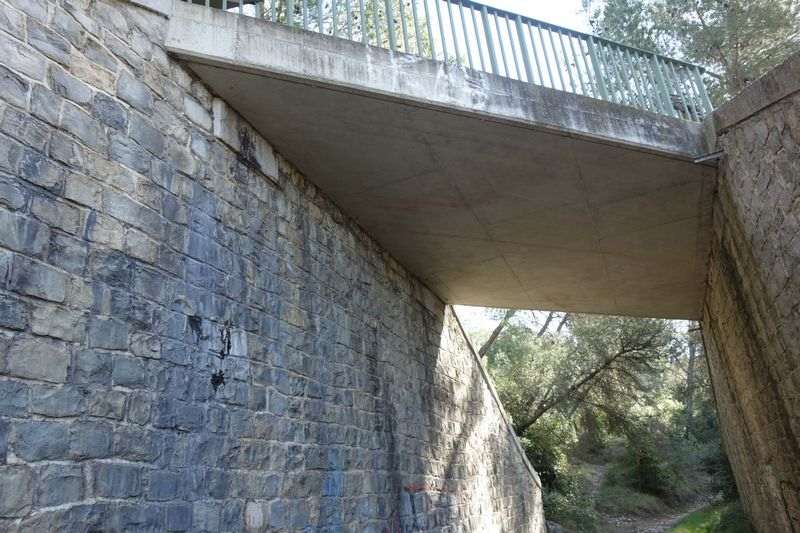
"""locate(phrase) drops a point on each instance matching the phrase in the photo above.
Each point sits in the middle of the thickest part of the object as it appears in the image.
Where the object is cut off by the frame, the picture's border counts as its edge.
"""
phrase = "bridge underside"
(508, 195)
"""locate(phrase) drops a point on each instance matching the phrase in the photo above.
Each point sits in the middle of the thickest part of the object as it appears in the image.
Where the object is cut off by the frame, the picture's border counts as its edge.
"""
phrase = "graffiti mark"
(218, 380)
(225, 336)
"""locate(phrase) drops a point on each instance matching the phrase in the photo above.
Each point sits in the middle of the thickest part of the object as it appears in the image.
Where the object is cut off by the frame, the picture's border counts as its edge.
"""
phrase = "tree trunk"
(496, 333)
(542, 331)
(690, 385)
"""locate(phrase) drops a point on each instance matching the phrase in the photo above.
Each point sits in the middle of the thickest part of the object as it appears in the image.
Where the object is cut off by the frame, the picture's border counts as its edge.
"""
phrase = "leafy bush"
(718, 518)
(619, 500)
(574, 511)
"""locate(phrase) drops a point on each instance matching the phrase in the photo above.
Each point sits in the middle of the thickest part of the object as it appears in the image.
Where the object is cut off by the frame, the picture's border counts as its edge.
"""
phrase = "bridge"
(505, 161)
(199, 332)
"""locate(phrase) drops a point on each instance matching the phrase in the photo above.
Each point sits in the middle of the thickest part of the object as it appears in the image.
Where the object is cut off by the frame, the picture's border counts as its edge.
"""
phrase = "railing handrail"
(506, 44)
(576, 33)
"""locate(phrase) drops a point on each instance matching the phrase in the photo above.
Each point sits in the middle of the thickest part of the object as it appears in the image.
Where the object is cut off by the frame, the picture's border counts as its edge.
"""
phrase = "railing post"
(390, 23)
(489, 39)
(289, 12)
(526, 60)
(453, 30)
(441, 29)
(362, 14)
(598, 70)
(701, 87)
(662, 91)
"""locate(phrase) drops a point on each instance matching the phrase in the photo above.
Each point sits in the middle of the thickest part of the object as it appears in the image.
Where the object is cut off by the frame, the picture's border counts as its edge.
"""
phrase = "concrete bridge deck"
(493, 191)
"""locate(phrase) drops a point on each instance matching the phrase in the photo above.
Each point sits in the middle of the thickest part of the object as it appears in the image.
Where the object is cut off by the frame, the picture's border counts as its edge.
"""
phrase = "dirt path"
(635, 524)
(648, 524)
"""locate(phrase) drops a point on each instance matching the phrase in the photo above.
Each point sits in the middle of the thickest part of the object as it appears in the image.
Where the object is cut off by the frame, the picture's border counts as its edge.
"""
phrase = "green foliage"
(574, 511)
(738, 39)
(619, 500)
(718, 518)
(615, 414)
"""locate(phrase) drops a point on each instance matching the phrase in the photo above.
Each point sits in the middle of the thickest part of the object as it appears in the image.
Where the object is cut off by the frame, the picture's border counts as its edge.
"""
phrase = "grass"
(619, 500)
(727, 517)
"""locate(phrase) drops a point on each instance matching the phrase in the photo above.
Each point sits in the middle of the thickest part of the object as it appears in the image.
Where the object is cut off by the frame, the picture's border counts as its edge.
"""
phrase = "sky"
(566, 13)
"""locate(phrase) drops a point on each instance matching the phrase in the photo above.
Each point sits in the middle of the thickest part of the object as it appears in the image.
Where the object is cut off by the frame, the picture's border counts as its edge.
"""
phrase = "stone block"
(38, 358)
(58, 215)
(80, 124)
(179, 517)
(70, 87)
(116, 480)
(13, 87)
(83, 190)
(129, 372)
(109, 111)
(14, 398)
(65, 25)
(57, 401)
(12, 21)
(37, 169)
(104, 230)
(163, 486)
(108, 405)
(12, 195)
(40, 440)
(45, 105)
(13, 312)
(36, 9)
(22, 58)
(108, 333)
(143, 132)
(25, 128)
(130, 154)
(48, 42)
(140, 246)
(93, 366)
(97, 53)
(34, 278)
(135, 93)
(90, 440)
(197, 113)
(57, 322)
(91, 73)
(16, 491)
(231, 129)
(69, 253)
(59, 484)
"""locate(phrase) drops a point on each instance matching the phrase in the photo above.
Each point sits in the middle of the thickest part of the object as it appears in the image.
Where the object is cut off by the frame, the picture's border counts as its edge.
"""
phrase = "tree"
(737, 39)
(603, 361)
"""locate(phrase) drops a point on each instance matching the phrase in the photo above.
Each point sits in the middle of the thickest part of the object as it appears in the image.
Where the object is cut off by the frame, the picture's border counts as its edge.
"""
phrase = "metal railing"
(484, 38)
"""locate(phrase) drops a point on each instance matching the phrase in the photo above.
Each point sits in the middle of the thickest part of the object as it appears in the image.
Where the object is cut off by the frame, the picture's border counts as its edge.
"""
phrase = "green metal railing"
(479, 37)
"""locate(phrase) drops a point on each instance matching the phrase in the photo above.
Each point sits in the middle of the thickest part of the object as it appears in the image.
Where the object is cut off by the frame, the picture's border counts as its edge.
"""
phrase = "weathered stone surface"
(13, 312)
(186, 345)
(16, 491)
(135, 92)
(13, 87)
(60, 484)
(39, 440)
(752, 318)
(38, 358)
(109, 111)
(70, 87)
(37, 279)
(23, 234)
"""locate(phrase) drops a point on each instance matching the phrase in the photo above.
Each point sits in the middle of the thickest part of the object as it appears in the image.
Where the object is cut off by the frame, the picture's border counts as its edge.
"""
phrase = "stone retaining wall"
(752, 310)
(192, 337)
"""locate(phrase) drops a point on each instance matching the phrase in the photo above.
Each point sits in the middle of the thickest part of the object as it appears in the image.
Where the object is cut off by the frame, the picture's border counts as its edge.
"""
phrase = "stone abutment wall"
(752, 310)
(192, 337)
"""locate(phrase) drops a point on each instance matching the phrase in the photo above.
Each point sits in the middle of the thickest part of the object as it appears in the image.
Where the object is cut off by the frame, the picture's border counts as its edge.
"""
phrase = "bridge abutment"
(751, 315)
(193, 337)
